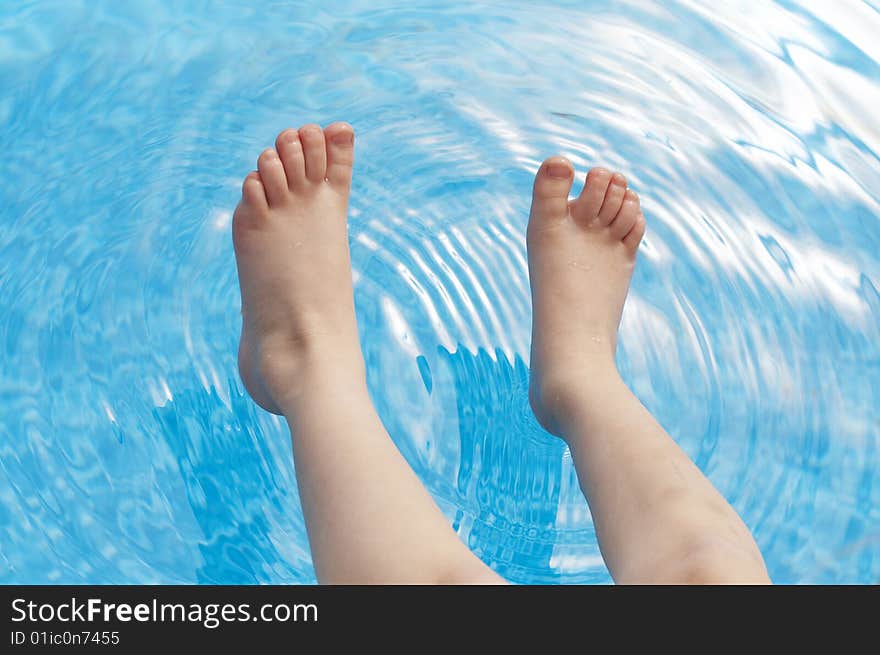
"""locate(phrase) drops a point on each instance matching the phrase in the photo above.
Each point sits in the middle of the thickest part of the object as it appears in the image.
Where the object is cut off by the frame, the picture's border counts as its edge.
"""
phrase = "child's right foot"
(581, 258)
(291, 246)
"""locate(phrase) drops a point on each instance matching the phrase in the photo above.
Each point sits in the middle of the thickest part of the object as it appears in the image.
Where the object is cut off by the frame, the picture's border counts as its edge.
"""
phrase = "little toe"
(613, 199)
(552, 186)
(586, 208)
(291, 152)
(312, 138)
(634, 237)
(340, 154)
(627, 216)
(273, 177)
(253, 193)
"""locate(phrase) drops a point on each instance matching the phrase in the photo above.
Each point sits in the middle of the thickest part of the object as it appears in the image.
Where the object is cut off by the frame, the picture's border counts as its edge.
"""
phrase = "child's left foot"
(294, 270)
(582, 253)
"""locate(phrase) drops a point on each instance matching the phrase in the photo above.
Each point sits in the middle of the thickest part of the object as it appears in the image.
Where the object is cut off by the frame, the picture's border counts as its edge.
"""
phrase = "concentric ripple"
(129, 451)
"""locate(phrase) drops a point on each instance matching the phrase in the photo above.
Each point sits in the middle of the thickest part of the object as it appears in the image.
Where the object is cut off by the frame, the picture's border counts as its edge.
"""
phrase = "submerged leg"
(658, 519)
(368, 516)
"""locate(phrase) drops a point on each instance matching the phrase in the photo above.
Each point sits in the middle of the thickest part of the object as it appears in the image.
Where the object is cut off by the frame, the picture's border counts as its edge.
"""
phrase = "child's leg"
(368, 517)
(657, 518)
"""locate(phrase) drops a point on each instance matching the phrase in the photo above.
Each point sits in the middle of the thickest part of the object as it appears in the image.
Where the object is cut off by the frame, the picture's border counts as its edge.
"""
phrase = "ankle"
(291, 371)
(560, 396)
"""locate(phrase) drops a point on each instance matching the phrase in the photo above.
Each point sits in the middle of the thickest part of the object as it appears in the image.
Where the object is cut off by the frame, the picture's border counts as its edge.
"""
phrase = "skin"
(657, 518)
(369, 518)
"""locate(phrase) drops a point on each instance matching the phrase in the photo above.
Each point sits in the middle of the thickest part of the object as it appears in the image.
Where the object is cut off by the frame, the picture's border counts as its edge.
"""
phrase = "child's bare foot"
(581, 257)
(294, 270)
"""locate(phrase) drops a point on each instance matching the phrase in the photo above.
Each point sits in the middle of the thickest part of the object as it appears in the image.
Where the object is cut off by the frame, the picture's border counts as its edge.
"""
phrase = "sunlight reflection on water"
(129, 451)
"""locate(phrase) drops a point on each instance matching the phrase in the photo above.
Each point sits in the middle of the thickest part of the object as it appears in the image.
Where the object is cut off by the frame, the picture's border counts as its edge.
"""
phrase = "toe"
(340, 154)
(552, 185)
(273, 177)
(626, 217)
(291, 152)
(586, 208)
(253, 193)
(635, 235)
(613, 199)
(312, 138)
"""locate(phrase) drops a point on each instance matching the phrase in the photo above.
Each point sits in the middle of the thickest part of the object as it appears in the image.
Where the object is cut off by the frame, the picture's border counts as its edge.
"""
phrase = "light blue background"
(129, 452)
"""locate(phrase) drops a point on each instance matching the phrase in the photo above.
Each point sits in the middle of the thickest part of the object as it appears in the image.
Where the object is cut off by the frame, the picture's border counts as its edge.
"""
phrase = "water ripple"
(129, 451)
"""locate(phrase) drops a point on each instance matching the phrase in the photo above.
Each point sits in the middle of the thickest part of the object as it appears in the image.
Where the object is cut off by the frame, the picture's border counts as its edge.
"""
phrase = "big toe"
(550, 193)
(340, 154)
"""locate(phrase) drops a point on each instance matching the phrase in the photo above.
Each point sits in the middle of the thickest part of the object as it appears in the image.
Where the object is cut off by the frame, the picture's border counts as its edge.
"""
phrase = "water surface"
(129, 452)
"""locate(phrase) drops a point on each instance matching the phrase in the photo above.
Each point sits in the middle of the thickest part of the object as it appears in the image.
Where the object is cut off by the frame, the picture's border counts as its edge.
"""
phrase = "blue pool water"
(129, 451)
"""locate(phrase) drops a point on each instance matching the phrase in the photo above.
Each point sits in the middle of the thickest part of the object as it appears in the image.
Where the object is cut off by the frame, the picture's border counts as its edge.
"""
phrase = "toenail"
(343, 139)
(290, 137)
(618, 179)
(558, 169)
